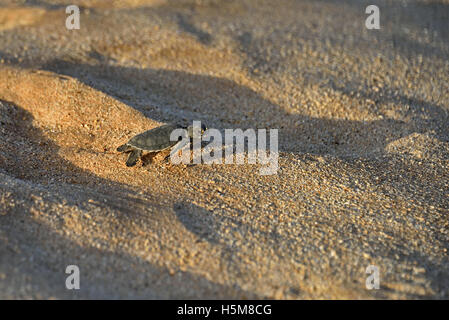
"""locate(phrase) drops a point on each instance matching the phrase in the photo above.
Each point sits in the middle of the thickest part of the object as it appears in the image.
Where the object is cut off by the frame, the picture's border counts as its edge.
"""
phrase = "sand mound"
(363, 140)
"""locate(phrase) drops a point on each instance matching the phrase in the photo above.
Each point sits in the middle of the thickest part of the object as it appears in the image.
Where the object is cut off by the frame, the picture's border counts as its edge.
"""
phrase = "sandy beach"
(363, 177)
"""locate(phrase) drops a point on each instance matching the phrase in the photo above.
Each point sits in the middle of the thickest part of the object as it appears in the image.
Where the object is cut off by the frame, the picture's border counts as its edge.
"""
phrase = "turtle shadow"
(29, 156)
(176, 96)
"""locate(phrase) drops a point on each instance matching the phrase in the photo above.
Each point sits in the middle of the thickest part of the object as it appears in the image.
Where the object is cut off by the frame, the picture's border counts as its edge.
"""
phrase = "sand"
(363, 173)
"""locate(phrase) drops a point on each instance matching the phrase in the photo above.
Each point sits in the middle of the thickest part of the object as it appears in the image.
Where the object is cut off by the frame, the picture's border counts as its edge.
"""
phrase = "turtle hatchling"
(153, 141)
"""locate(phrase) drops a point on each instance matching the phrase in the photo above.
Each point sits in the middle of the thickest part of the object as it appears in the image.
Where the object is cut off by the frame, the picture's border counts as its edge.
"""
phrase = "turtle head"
(190, 130)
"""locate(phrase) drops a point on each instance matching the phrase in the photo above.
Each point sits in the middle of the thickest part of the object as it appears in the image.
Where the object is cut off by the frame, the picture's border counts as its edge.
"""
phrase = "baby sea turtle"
(154, 140)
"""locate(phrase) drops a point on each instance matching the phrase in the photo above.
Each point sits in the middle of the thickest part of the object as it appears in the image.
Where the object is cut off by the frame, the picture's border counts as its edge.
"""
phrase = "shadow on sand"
(36, 159)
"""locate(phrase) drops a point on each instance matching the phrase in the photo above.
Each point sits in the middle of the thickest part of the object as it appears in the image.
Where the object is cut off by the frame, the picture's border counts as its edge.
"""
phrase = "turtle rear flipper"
(124, 148)
(133, 157)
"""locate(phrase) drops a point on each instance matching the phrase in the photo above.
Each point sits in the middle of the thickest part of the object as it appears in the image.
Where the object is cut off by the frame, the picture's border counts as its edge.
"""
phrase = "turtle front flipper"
(133, 157)
(124, 148)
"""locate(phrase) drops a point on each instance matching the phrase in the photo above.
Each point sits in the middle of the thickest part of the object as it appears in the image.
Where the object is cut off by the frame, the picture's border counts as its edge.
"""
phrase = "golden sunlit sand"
(363, 173)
